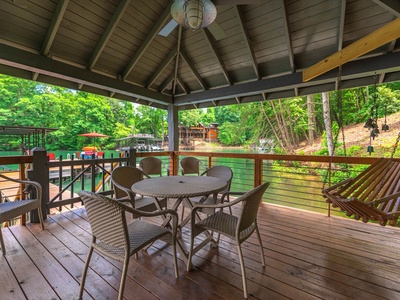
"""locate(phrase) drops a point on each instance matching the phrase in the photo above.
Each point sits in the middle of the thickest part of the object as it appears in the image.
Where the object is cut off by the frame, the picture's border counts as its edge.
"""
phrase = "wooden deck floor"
(308, 256)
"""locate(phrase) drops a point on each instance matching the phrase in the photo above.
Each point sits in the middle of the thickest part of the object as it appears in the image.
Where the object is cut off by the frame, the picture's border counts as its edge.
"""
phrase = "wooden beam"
(379, 37)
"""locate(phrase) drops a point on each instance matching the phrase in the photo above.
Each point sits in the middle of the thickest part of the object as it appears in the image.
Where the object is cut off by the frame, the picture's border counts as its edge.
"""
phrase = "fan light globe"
(193, 14)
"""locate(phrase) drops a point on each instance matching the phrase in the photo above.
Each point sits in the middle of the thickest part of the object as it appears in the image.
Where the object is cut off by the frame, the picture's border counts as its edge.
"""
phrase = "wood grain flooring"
(308, 256)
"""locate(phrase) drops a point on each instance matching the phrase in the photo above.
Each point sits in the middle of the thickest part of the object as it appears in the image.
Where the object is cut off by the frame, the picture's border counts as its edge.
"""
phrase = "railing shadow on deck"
(296, 180)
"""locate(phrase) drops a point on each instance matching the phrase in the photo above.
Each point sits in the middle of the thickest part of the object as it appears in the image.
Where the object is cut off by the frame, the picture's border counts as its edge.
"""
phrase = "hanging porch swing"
(373, 195)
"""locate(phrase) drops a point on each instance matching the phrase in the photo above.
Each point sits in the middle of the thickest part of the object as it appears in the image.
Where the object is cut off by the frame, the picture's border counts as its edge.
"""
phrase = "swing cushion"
(372, 195)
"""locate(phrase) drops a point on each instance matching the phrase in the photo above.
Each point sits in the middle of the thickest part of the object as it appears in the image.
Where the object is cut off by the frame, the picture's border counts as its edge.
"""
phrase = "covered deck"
(308, 256)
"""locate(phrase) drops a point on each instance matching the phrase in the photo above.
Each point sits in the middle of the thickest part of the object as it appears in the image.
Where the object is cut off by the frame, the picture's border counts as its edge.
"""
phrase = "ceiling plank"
(112, 24)
(21, 59)
(392, 6)
(146, 43)
(217, 55)
(166, 82)
(379, 37)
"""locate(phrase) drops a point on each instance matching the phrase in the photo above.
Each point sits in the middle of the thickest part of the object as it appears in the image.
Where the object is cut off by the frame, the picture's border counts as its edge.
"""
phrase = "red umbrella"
(94, 135)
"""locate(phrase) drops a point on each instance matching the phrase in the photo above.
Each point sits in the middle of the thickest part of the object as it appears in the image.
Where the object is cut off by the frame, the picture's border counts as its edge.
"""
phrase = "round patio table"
(179, 188)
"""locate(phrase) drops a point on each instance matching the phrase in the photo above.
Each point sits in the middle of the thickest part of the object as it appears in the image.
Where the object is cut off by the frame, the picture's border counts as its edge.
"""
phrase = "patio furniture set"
(115, 237)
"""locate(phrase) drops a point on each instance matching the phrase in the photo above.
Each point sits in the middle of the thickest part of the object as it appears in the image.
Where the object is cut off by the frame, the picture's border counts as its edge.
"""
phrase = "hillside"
(357, 135)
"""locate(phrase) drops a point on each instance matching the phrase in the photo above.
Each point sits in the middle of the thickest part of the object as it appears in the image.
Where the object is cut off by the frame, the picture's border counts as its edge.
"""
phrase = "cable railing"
(296, 180)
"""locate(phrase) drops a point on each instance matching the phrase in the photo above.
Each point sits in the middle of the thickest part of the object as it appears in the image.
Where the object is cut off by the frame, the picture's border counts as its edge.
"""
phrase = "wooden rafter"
(146, 43)
(193, 69)
(247, 41)
(379, 37)
(162, 67)
(288, 37)
(112, 24)
(217, 55)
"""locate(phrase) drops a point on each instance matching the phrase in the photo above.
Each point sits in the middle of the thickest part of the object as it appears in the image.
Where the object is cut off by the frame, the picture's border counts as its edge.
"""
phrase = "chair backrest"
(125, 176)
(250, 203)
(189, 165)
(221, 172)
(151, 165)
(107, 220)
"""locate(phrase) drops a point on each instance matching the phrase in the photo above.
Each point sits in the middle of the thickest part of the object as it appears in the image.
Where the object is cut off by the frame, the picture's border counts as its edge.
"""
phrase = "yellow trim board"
(379, 37)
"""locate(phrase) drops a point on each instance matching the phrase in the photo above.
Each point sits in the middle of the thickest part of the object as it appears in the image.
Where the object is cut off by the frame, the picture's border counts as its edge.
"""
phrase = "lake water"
(287, 188)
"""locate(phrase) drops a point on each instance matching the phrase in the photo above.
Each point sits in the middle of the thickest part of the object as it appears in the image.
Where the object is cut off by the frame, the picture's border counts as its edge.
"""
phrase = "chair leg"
(261, 247)
(3, 248)
(123, 278)
(244, 280)
(175, 259)
(40, 217)
(85, 269)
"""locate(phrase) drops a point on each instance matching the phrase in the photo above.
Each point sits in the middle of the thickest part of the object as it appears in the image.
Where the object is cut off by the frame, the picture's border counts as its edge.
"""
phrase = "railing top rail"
(4, 160)
(286, 157)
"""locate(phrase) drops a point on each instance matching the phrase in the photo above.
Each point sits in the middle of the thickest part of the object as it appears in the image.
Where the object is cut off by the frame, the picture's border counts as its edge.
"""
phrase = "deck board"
(308, 256)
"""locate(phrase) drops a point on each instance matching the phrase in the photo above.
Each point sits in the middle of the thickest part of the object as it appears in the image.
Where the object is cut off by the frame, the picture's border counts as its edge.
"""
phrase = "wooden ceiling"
(112, 48)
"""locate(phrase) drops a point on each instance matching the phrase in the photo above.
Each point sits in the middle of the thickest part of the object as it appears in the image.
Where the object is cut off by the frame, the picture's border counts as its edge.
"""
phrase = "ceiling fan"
(196, 14)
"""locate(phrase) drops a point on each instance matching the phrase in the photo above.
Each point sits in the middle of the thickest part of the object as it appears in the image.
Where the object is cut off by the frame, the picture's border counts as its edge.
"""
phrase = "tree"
(327, 122)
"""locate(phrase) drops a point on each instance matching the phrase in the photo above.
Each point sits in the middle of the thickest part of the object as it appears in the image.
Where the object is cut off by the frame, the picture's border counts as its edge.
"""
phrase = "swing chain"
(395, 146)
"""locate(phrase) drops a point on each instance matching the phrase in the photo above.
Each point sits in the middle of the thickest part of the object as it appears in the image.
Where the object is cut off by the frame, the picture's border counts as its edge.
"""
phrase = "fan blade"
(168, 28)
(237, 2)
(216, 31)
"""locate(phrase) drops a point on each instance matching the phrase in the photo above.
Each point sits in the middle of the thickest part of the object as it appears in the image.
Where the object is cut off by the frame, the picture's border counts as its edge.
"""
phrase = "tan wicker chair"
(14, 209)
(238, 227)
(114, 238)
(221, 172)
(153, 166)
(123, 178)
(191, 165)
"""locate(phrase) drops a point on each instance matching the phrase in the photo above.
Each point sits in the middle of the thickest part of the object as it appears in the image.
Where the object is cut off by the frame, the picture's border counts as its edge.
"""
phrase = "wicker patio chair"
(238, 227)
(115, 238)
(221, 172)
(123, 177)
(153, 166)
(14, 209)
(190, 165)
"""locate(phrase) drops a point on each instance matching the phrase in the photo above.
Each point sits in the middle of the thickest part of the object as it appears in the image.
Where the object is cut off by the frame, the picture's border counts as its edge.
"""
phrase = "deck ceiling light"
(193, 14)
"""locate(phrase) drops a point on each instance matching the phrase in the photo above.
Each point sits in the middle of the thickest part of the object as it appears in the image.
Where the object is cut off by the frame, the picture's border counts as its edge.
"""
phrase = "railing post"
(132, 156)
(257, 172)
(173, 163)
(40, 173)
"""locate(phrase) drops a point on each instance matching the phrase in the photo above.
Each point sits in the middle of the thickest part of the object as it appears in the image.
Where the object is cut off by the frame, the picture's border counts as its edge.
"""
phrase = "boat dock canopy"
(31, 137)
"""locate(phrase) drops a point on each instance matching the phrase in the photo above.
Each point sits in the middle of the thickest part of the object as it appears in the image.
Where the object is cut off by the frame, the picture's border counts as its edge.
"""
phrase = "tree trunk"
(328, 123)
(311, 118)
(289, 115)
(278, 139)
(282, 131)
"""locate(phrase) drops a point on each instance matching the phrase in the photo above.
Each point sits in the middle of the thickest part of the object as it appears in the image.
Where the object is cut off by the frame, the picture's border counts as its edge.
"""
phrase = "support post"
(40, 173)
(173, 137)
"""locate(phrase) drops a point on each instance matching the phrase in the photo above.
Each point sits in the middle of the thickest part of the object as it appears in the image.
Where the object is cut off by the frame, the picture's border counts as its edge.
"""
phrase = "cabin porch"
(308, 256)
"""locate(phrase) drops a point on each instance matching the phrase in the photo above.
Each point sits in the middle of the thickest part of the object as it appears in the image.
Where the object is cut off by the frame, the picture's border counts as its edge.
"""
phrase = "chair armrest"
(165, 167)
(139, 213)
(228, 193)
(129, 193)
(35, 184)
